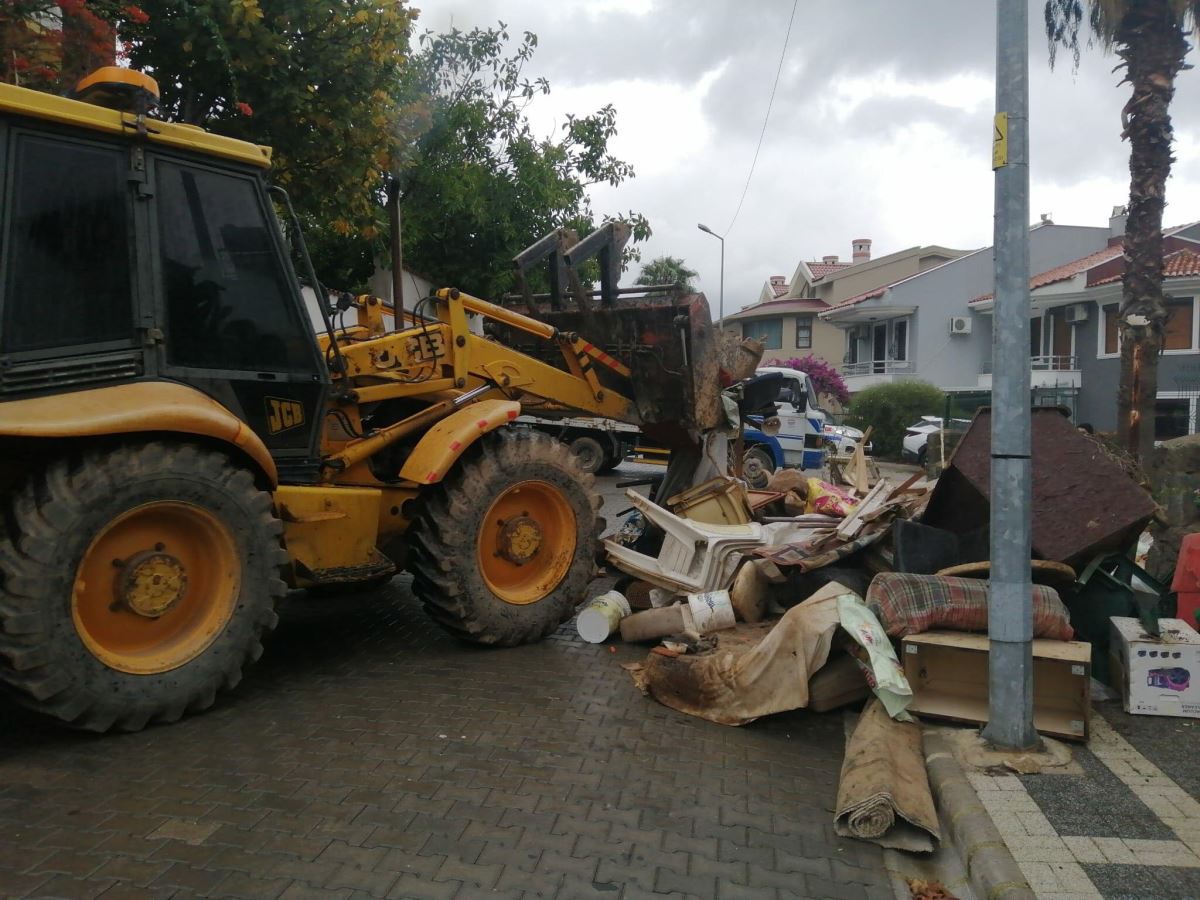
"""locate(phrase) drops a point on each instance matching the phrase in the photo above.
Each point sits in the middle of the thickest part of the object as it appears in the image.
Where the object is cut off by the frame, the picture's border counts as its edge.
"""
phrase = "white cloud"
(881, 126)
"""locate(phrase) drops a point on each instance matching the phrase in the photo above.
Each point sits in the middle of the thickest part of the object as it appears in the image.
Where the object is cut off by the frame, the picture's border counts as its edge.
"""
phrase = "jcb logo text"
(283, 414)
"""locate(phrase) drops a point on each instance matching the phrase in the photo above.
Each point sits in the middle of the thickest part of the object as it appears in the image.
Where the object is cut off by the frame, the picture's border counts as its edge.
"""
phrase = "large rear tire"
(504, 549)
(137, 582)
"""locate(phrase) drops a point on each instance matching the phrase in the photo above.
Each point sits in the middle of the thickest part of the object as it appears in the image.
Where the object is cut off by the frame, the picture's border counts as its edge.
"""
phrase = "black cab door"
(233, 319)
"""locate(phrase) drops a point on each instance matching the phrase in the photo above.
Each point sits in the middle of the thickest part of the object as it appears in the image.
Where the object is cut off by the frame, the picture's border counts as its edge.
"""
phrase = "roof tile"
(1180, 264)
(780, 308)
(821, 269)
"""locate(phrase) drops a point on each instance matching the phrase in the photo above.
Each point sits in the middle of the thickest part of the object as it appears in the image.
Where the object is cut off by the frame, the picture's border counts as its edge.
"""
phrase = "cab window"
(228, 302)
(68, 268)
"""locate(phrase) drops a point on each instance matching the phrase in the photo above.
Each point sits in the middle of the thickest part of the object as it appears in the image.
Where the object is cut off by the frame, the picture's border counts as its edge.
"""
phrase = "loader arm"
(446, 355)
(442, 363)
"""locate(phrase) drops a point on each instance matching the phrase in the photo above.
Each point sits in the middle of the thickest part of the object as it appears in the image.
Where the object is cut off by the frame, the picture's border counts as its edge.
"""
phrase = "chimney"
(862, 250)
(777, 279)
(829, 260)
(1116, 225)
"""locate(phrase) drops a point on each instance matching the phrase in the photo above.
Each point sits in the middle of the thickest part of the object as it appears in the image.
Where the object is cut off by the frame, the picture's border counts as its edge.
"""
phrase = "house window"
(900, 340)
(1061, 339)
(1178, 332)
(1035, 337)
(804, 326)
(1111, 338)
(769, 331)
(1172, 418)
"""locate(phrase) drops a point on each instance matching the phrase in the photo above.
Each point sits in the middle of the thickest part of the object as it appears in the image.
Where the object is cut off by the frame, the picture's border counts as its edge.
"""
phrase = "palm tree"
(669, 270)
(1150, 37)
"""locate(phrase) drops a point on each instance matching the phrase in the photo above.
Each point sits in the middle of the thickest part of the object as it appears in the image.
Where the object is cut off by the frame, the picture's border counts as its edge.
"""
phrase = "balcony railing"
(879, 367)
(1041, 364)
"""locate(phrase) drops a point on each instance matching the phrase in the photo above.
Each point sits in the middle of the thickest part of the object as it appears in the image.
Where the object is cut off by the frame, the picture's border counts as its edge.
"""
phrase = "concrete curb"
(994, 873)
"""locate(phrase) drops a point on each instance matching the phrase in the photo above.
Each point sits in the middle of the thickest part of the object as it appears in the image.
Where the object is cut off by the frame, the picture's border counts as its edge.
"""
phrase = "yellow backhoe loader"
(177, 448)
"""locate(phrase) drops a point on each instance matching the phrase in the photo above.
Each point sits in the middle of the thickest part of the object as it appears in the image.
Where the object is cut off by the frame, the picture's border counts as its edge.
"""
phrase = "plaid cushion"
(911, 604)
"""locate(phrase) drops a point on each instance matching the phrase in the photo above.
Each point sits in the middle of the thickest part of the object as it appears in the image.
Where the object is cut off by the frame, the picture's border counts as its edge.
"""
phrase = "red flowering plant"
(50, 44)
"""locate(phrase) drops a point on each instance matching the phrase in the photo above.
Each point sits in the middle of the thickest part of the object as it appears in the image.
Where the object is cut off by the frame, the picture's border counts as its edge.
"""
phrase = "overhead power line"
(767, 118)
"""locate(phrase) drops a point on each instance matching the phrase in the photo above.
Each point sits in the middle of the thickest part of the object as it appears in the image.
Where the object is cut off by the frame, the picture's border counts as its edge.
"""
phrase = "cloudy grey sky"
(881, 126)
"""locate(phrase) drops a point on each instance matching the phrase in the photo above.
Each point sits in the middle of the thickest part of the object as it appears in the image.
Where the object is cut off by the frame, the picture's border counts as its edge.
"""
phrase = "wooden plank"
(904, 487)
(854, 522)
(859, 461)
(1043, 648)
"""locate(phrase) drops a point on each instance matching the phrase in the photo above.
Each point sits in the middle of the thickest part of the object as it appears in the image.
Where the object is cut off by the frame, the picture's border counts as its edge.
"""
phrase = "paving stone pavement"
(370, 755)
(1127, 826)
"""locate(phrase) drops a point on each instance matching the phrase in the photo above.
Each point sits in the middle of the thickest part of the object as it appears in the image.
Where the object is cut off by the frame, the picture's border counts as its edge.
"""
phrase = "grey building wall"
(957, 361)
(1098, 378)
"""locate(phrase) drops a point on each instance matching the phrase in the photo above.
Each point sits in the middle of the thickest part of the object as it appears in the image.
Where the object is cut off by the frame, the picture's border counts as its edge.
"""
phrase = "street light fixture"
(721, 301)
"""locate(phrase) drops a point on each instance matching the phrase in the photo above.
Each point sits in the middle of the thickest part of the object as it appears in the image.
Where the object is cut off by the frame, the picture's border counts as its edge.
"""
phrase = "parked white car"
(916, 436)
(843, 439)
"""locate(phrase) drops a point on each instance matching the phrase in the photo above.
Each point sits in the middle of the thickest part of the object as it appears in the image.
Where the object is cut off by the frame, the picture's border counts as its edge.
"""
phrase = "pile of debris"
(809, 595)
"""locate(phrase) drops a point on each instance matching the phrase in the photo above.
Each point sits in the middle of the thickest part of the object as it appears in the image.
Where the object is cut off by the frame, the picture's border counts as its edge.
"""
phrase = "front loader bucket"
(665, 339)
(677, 362)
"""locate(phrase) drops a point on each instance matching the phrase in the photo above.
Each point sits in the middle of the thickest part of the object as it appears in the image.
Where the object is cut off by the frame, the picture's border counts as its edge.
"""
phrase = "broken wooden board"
(853, 523)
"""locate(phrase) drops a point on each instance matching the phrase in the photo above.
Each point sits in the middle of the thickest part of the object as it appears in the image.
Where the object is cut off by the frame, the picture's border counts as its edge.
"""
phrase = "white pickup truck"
(801, 434)
(601, 444)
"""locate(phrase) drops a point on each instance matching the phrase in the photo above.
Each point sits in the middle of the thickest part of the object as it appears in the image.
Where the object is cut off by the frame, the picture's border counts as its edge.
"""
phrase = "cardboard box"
(1156, 676)
(948, 672)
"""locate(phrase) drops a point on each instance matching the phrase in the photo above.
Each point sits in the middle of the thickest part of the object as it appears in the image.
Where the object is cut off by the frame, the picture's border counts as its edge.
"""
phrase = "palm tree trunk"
(1151, 41)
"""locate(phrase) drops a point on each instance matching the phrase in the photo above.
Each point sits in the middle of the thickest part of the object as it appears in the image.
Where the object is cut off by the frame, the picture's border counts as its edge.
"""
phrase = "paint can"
(602, 617)
(711, 611)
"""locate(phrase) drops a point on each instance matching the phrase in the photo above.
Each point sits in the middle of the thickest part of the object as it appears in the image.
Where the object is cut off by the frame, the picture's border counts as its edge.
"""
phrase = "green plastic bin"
(1105, 589)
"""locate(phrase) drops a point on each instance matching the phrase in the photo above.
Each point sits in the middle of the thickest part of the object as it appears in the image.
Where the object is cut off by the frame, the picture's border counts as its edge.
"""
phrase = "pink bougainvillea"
(825, 377)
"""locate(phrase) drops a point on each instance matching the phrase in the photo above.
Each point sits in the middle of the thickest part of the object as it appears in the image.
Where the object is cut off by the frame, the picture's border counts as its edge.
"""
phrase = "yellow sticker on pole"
(1000, 141)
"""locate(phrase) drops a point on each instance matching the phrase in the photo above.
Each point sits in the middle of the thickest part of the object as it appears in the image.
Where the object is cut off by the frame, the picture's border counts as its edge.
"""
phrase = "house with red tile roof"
(834, 281)
(1074, 337)
(922, 326)
(786, 314)
(788, 328)
(773, 288)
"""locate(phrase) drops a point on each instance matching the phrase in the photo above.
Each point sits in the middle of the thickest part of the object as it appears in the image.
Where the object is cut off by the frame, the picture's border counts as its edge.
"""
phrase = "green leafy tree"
(321, 84)
(668, 270)
(479, 185)
(1150, 38)
(891, 408)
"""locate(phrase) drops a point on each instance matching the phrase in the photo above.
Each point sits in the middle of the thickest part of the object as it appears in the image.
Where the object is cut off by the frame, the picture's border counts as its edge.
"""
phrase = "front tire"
(503, 549)
(137, 583)
(757, 468)
(589, 452)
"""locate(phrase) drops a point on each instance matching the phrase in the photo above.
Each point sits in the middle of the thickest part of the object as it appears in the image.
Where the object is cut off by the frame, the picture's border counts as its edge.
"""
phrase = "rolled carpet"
(884, 795)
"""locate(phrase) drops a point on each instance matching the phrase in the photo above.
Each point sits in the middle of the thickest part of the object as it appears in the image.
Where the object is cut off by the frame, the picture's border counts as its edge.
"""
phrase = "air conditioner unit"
(1076, 312)
(960, 324)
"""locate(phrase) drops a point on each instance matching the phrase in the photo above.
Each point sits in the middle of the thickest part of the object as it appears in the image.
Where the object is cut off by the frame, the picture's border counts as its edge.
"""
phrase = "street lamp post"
(721, 300)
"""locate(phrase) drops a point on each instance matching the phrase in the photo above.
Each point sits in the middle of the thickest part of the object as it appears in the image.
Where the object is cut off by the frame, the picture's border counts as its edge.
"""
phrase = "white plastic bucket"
(711, 611)
(602, 617)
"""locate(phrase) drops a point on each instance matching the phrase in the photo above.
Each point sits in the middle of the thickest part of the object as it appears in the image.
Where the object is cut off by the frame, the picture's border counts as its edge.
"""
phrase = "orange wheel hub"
(527, 542)
(155, 588)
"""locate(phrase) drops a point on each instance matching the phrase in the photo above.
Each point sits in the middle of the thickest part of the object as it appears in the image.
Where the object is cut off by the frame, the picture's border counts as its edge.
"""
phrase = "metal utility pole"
(1010, 609)
(397, 250)
(721, 301)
